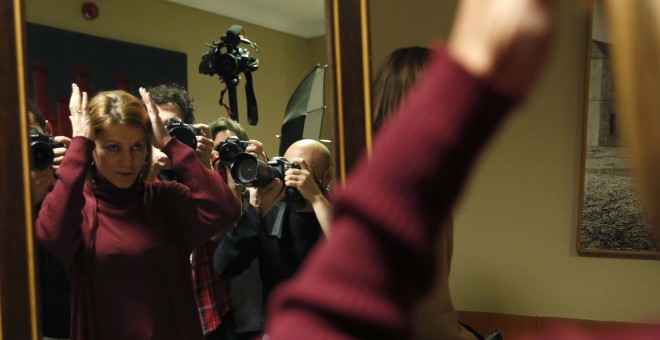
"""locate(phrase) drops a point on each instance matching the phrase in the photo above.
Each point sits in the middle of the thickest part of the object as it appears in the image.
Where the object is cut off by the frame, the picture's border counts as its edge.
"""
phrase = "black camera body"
(230, 148)
(249, 170)
(41, 148)
(227, 58)
(185, 133)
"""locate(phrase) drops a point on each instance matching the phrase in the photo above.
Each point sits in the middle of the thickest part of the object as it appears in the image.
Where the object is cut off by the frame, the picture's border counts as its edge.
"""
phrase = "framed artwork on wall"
(612, 220)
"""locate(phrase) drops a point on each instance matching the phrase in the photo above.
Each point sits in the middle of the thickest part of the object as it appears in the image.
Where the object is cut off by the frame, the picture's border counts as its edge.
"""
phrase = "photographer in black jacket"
(279, 236)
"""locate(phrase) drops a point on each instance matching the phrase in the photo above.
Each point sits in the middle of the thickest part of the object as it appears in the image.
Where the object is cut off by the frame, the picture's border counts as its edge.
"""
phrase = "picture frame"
(611, 218)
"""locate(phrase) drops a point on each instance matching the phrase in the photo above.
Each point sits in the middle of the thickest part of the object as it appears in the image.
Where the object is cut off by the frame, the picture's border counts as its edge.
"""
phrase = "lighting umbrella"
(304, 112)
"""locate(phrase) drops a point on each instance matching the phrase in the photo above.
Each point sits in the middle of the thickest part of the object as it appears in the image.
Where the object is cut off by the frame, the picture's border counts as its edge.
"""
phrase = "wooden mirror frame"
(348, 42)
(17, 276)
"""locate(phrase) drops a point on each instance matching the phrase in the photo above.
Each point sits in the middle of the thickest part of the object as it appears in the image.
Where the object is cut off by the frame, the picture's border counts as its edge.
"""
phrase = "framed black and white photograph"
(612, 220)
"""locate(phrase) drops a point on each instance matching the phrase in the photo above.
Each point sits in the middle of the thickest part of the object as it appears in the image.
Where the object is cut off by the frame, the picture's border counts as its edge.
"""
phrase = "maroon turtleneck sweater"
(127, 250)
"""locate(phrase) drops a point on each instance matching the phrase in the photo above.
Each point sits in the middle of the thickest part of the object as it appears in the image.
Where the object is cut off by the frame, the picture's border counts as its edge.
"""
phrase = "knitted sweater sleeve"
(213, 204)
(58, 226)
(366, 279)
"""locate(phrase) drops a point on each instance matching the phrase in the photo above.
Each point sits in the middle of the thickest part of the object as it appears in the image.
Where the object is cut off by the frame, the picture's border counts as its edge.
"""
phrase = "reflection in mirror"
(172, 36)
(285, 56)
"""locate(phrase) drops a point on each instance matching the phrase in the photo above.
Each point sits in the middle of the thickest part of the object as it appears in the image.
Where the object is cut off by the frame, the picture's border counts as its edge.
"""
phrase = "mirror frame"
(18, 308)
(349, 45)
(348, 42)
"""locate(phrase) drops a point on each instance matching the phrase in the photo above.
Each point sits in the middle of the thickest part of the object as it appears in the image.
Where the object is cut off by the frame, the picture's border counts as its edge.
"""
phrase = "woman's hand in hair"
(80, 122)
(159, 136)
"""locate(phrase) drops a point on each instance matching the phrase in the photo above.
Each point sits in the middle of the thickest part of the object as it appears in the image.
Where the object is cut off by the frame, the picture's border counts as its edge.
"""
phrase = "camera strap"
(233, 100)
(230, 113)
(253, 112)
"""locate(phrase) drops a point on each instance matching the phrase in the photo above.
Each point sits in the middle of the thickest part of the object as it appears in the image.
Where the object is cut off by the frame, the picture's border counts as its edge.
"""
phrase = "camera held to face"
(185, 133)
(249, 170)
(41, 147)
(230, 148)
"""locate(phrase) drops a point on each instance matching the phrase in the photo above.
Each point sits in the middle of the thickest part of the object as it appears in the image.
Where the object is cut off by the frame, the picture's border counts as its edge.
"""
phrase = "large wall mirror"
(285, 58)
(290, 45)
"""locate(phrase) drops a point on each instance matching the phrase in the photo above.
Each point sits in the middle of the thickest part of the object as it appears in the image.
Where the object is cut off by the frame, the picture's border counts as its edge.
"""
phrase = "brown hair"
(396, 74)
(120, 108)
(175, 94)
(226, 123)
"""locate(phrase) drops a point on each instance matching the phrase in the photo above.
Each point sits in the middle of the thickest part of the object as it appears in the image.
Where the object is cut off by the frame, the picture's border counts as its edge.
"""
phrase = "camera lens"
(247, 170)
(250, 170)
(42, 155)
(227, 65)
(185, 136)
(228, 152)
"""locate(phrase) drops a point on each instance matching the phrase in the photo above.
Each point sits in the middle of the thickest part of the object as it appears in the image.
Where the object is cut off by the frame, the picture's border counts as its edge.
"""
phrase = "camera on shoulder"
(41, 148)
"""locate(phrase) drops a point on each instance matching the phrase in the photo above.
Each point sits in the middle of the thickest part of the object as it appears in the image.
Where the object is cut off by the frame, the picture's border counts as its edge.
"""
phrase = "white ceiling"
(303, 18)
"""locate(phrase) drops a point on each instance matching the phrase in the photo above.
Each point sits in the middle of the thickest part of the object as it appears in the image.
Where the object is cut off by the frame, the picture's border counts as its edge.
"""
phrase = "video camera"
(185, 133)
(41, 147)
(230, 148)
(249, 170)
(228, 60)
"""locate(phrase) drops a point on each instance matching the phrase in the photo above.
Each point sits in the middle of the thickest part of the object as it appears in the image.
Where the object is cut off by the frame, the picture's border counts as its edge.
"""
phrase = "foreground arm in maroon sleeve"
(379, 260)
(365, 281)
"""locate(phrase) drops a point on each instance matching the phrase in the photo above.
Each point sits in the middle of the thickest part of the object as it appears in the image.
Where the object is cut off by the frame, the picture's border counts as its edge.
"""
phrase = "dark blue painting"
(57, 58)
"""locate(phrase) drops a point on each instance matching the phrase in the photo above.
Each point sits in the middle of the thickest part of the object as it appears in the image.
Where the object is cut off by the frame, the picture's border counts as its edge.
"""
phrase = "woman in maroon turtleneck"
(124, 242)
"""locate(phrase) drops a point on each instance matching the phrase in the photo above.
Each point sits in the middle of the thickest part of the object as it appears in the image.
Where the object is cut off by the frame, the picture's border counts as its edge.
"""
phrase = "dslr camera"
(227, 58)
(185, 133)
(41, 147)
(230, 148)
(249, 170)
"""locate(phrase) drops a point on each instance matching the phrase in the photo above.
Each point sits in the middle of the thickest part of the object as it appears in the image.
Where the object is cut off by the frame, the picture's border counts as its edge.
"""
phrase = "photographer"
(44, 179)
(312, 185)
(270, 230)
(175, 104)
(53, 284)
(227, 308)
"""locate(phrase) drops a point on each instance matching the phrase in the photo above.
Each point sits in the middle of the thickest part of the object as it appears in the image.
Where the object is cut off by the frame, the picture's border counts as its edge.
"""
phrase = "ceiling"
(303, 18)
